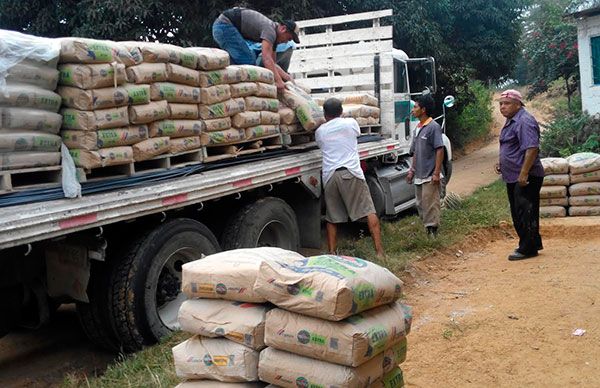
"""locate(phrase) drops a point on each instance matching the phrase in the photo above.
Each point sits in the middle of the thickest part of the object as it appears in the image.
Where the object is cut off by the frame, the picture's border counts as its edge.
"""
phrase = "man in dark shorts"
(522, 170)
(235, 27)
(346, 192)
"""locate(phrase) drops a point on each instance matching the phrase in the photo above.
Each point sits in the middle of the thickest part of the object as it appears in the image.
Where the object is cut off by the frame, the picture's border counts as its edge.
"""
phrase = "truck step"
(29, 178)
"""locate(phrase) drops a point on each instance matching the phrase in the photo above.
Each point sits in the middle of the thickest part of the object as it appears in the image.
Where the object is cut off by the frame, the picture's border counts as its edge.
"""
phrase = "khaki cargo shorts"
(347, 196)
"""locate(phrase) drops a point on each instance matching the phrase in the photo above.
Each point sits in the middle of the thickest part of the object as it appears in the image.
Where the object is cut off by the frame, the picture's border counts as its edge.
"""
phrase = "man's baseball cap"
(293, 29)
(513, 95)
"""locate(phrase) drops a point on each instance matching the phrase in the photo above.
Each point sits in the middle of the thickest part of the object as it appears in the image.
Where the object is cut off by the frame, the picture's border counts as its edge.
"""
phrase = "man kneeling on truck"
(346, 192)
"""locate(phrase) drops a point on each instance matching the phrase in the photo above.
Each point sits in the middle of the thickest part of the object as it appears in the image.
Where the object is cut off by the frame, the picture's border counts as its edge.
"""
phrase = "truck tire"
(268, 222)
(145, 284)
(377, 195)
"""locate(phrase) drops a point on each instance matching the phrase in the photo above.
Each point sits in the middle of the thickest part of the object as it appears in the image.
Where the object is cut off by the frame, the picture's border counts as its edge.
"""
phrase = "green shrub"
(474, 121)
(569, 133)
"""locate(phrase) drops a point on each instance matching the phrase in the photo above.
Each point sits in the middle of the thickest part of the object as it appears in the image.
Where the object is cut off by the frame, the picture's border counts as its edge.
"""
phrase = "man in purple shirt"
(522, 171)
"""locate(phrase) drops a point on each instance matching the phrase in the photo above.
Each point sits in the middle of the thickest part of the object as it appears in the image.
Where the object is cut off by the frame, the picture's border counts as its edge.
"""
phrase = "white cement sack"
(102, 158)
(217, 124)
(262, 104)
(588, 188)
(291, 128)
(222, 109)
(583, 162)
(184, 111)
(261, 131)
(92, 76)
(243, 89)
(585, 200)
(29, 96)
(39, 76)
(287, 116)
(150, 148)
(230, 275)
(30, 119)
(584, 211)
(154, 111)
(266, 90)
(289, 370)
(228, 75)
(239, 322)
(174, 93)
(183, 144)
(182, 75)
(554, 201)
(307, 111)
(147, 73)
(21, 160)
(352, 341)
(245, 119)
(93, 120)
(210, 58)
(176, 128)
(327, 286)
(270, 118)
(555, 165)
(215, 359)
(227, 136)
(20, 141)
(251, 73)
(553, 192)
(359, 99)
(590, 176)
(552, 211)
(557, 180)
(217, 384)
(214, 94)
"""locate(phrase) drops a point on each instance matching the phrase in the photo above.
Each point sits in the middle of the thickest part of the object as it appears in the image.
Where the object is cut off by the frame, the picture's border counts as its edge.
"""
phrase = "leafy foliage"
(569, 133)
(475, 119)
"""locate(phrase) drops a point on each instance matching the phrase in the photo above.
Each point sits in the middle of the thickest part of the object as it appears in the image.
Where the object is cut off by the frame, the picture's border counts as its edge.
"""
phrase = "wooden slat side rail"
(349, 36)
(344, 18)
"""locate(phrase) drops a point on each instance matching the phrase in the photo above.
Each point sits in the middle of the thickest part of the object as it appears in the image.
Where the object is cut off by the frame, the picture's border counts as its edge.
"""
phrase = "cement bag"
(93, 99)
(183, 111)
(584, 211)
(226, 136)
(583, 162)
(261, 131)
(215, 359)
(239, 322)
(19, 141)
(291, 128)
(243, 89)
(362, 121)
(553, 192)
(393, 379)
(104, 138)
(589, 188)
(327, 286)
(182, 75)
(554, 201)
(176, 128)
(230, 275)
(552, 211)
(289, 370)
(20, 160)
(287, 116)
(210, 58)
(245, 119)
(222, 109)
(214, 94)
(92, 76)
(189, 59)
(150, 148)
(216, 384)
(142, 114)
(260, 103)
(251, 73)
(585, 200)
(266, 90)
(308, 112)
(28, 96)
(557, 180)
(30, 119)
(590, 176)
(137, 94)
(359, 99)
(82, 50)
(98, 119)
(102, 158)
(174, 93)
(269, 118)
(373, 120)
(86, 140)
(555, 166)
(183, 144)
(40, 76)
(147, 73)
(228, 75)
(350, 342)
(360, 111)
(217, 124)
(156, 52)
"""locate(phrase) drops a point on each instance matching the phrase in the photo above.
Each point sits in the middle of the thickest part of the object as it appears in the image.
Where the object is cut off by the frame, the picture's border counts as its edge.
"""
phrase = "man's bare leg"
(331, 237)
(375, 229)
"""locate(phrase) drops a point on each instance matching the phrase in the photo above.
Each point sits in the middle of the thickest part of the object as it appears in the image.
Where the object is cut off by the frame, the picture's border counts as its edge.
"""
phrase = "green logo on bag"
(364, 296)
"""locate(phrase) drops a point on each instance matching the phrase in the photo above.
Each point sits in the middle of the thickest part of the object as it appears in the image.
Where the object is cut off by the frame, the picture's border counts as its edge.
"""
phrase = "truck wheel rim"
(274, 234)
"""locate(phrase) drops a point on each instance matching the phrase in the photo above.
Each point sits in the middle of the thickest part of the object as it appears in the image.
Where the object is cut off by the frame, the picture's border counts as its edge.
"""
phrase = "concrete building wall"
(590, 93)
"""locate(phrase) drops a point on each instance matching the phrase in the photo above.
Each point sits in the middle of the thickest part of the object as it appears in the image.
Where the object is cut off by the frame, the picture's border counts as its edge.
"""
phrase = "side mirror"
(449, 101)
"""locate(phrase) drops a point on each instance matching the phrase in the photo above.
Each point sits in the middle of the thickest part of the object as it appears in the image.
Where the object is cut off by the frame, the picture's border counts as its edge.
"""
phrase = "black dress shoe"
(521, 256)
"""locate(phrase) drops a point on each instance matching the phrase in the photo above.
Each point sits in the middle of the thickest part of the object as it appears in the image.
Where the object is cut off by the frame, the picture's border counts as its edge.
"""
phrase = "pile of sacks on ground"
(363, 107)
(274, 316)
(571, 186)
(29, 122)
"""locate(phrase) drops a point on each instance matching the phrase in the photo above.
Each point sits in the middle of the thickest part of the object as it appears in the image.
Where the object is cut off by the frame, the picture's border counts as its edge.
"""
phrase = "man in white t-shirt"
(346, 192)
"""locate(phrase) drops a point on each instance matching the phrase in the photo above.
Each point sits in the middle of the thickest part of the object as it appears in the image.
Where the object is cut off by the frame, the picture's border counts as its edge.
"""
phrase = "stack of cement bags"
(29, 122)
(584, 192)
(553, 196)
(361, 106)
(338, 323)
(307, 110)
(289, 121)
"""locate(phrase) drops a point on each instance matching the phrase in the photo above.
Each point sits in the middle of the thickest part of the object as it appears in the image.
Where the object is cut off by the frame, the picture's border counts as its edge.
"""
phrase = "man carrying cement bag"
(235, 26)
